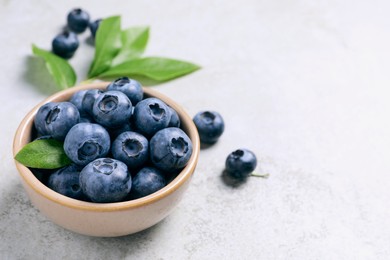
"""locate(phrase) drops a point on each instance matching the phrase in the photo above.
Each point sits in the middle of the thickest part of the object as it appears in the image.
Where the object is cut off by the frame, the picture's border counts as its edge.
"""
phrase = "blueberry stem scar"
(255, 174)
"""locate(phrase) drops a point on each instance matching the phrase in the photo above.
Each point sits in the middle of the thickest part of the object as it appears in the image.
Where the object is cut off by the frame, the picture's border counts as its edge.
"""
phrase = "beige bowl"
(106, 219)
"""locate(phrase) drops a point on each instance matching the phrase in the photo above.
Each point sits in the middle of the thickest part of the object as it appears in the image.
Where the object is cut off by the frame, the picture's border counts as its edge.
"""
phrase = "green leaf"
(156, 68)
(134, 41)
(62, 72)
(107, 45)
(43, 154)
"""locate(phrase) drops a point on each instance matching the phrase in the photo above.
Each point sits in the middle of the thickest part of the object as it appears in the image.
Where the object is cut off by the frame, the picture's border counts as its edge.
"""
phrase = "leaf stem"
(255, 174)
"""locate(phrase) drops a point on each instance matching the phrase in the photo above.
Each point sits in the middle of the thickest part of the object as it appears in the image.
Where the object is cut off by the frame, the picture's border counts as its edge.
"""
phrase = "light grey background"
(304, 84)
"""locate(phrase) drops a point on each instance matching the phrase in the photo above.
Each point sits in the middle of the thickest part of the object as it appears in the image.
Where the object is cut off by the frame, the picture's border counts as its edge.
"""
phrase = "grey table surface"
(304, 84)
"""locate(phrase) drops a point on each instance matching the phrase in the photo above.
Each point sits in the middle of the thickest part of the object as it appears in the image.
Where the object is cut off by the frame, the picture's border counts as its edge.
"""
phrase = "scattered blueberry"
(131, 148)
(147, 181)
(130, 87)
(93, 27)
(78, 20)
(65, 44)
(112, 109)
(105, 180)
(210, 126)
(86, 142)
(66, 182)
(170, 149)
(56, 119)
(151, 115)
(240, 163)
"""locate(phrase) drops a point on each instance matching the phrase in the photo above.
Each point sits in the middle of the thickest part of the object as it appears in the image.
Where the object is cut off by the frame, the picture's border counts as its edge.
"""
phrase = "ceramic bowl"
(105, 219)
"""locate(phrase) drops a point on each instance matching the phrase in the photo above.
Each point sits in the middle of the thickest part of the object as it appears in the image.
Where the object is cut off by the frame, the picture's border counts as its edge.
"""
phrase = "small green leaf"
(156, 68)
(134, 41)
(43, 154)
(107, 45)
(62, 72)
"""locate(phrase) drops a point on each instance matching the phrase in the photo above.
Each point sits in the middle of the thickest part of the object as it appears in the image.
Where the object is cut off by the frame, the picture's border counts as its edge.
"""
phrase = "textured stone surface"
(304, 84)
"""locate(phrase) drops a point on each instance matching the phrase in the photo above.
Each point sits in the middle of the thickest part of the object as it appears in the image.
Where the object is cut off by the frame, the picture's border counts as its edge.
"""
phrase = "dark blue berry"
(66, 181)
(112, 109)
(89, 99)
(131, 148)
(55, 119)
(170, 149)
(65, 44)
(210, 126)
(147, 181)
(114, 132)
(240, 163)
(77, 100)
(86, 118)
(105, 180)
(130, 87)
(174, 120)
(93, 27)
(151, 115)
(85, 142)
(78, 20)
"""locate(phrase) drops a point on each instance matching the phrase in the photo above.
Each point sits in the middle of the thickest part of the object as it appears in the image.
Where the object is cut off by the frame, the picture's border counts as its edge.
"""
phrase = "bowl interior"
(24, 134)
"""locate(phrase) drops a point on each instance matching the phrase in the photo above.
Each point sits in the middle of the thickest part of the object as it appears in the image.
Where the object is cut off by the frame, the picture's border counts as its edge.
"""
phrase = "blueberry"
(66, 181)
(131, 148)
(112, 109)
(114, 132)
(130, 87)
(93, 27)
(56, 119)
(147, 181)
(89, 98)
(174, 121)
(210, 126)
(86, 119)
(78, 20)
(85, 142)
(105, 180)
(77, 100)
(170, 149)
(151, 115)
(240, 163)
(65, 44)
(40, 118)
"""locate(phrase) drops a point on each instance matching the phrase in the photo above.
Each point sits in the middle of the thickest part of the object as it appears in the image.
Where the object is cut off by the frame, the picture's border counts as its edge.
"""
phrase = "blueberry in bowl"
(123, 214)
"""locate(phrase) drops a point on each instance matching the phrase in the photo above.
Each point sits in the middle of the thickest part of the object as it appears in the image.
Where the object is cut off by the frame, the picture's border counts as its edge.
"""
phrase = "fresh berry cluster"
(123, 145)
(66, 43)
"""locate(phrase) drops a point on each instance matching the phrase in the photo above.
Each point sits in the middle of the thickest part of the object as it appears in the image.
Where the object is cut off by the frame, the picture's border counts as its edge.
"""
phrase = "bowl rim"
(21, 138)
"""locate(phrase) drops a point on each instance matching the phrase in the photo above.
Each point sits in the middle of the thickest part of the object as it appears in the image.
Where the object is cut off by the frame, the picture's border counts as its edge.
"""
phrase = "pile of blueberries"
(122, 145)
(66, 43)
(239, 164)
